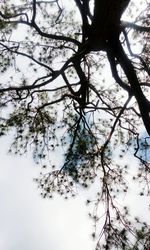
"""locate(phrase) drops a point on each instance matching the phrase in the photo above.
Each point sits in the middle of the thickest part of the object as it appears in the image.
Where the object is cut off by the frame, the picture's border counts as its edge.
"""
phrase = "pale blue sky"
(27, 222)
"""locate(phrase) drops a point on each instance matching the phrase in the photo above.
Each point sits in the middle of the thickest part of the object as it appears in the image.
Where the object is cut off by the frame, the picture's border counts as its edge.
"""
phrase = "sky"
(28, 222)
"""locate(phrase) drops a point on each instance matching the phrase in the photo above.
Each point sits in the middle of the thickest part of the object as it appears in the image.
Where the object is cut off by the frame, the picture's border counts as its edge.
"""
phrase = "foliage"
(58, 95)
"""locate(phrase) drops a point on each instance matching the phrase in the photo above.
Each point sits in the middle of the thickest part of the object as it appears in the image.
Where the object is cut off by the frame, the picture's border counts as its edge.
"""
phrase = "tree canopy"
(75, 83)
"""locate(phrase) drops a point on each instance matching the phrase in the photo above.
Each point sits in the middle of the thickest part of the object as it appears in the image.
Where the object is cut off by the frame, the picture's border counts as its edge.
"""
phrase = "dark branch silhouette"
(57, 91)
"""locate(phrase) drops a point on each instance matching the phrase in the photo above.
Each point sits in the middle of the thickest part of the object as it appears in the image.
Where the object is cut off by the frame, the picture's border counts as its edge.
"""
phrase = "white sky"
(28, 222)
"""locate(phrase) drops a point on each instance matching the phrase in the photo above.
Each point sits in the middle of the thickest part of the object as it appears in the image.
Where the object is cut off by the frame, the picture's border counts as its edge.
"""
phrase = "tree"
(56, 94)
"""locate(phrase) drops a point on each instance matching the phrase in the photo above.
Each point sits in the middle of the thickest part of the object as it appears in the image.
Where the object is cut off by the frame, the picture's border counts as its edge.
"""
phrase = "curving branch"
(84, 9)
(144, 105)
(33, 24)
(145, 66)
(136, 27)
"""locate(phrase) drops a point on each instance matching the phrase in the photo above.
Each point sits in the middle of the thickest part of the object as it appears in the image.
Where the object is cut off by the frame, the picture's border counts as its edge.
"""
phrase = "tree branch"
(143, 103)
(136, 27)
